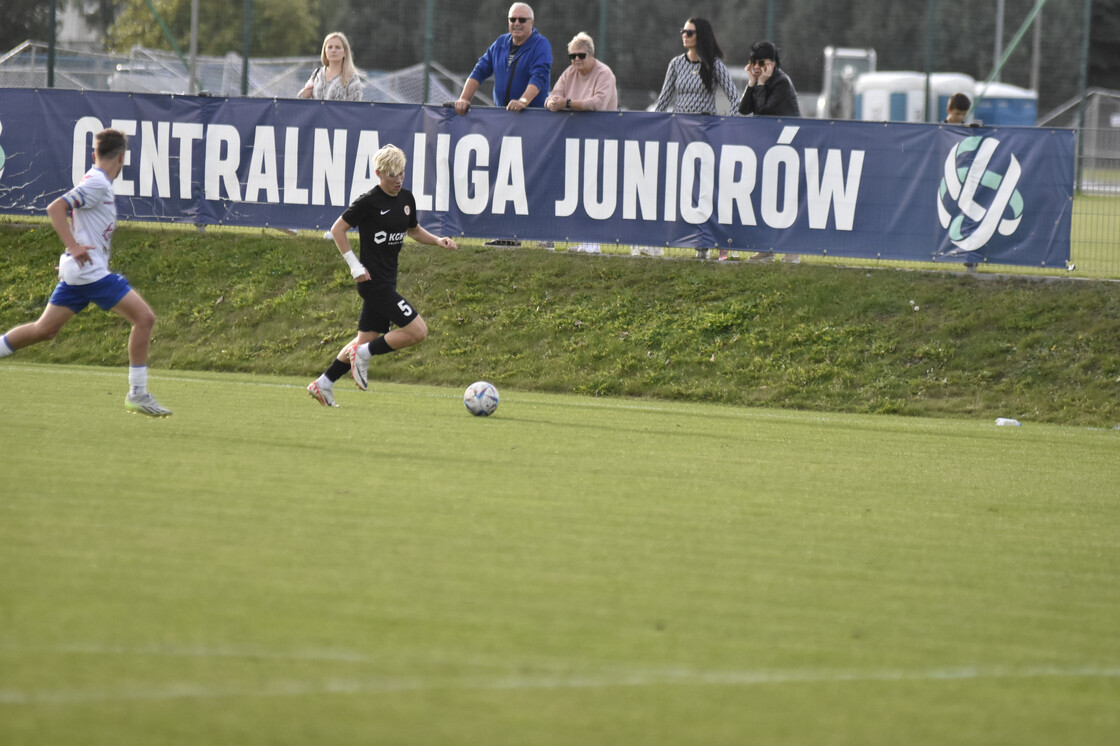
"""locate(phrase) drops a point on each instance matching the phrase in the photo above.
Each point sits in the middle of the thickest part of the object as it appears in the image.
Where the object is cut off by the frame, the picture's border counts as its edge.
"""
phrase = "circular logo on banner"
(974, 201)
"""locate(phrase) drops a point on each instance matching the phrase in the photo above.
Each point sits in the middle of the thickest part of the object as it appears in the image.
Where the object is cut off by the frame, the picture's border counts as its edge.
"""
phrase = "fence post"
(429, 42)
(246, 36)
(1087, 21)
(50, 47)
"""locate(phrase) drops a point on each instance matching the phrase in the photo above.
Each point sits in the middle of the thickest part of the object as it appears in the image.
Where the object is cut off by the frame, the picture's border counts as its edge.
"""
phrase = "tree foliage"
(23, 20)
(280, 28)
(1104, 61)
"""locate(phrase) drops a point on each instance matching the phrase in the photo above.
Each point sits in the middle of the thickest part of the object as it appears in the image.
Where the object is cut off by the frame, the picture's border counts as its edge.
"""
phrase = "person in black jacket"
(769, 90)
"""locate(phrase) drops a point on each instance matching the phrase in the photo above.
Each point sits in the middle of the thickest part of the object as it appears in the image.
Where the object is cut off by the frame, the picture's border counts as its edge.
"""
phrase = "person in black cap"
(769, 90)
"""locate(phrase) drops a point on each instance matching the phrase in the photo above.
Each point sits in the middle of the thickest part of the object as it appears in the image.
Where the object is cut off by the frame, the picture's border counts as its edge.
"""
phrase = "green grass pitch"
(257, 569)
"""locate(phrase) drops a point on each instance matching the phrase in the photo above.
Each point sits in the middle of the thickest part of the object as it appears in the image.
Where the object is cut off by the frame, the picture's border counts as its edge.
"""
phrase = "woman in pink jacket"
(587, 84)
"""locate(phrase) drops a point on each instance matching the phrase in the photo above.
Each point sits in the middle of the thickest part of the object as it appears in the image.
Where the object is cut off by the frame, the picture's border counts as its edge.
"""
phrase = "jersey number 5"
(405, 308)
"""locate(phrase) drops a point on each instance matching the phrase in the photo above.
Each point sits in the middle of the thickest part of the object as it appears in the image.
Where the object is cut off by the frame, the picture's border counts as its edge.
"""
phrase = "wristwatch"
(568, 105)
(524, 100)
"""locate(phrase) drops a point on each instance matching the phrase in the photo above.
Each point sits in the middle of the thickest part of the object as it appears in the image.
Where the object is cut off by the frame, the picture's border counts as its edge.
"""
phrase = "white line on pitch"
(573, 680)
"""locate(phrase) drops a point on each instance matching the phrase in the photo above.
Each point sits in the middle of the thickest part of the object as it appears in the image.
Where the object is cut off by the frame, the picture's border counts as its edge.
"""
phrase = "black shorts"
(382, 306)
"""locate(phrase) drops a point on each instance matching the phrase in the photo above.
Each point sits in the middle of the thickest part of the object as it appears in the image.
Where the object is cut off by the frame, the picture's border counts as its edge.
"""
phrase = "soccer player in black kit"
(384, 216)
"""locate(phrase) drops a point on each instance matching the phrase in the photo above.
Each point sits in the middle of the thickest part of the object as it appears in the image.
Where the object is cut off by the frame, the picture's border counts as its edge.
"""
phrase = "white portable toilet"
(942, 86)
(891, 97)
(1005, 104)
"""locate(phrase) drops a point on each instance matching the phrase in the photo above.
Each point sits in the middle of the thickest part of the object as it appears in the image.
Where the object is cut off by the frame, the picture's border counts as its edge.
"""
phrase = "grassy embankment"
(807, 337)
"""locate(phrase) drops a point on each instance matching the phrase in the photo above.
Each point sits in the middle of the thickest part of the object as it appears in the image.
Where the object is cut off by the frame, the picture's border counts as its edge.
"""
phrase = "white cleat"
(359, 368)
(145, 404)
(324, 396)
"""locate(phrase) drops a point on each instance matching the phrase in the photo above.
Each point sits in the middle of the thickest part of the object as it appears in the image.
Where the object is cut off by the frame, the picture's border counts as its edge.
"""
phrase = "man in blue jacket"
(520, 61)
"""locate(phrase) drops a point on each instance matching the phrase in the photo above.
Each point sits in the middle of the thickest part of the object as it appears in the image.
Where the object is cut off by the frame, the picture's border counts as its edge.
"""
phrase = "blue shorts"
(106, 293)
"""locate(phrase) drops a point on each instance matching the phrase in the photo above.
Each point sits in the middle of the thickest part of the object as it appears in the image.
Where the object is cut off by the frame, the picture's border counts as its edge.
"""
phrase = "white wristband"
(356, 268)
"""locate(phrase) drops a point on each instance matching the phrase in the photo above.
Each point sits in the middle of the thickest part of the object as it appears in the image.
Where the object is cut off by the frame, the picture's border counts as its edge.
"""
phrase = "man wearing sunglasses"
(520, 61)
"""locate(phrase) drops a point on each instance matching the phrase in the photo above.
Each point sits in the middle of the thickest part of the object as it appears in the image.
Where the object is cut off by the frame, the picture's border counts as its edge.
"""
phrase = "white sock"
(138, 379)
(324, 382)
(363, 352)
(4, 349)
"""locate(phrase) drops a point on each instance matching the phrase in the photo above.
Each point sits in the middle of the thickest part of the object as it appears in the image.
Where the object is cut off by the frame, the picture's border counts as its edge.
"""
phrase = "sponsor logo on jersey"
(382, 236)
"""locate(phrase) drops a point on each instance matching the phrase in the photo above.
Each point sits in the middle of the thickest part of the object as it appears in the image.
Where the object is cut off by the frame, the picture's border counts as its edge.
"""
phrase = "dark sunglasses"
(520, 20)
(688, 31)
(577, 56)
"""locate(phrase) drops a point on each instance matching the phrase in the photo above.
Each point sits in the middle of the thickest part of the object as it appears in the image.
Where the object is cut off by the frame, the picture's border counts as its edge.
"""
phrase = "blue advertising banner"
(839, 188)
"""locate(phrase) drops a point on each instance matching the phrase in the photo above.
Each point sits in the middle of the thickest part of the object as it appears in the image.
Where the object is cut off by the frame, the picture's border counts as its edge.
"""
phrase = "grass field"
(257, 569)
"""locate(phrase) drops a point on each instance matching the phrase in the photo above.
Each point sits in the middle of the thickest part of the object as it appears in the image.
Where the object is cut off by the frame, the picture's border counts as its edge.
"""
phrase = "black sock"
(379, 346)
(337, 370)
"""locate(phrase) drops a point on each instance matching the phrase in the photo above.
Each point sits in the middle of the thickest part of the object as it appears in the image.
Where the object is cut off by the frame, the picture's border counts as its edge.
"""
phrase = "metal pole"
(601, 39)
(999, 35)
(246, 35)
(1010, 50)
(429, 42)
(1036, 52)
(1082, 87)
(194, 48)
(770, 21)
(931, 9)
(50, 45)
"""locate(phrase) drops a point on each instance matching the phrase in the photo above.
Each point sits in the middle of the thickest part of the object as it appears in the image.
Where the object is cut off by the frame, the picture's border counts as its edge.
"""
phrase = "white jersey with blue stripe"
(93, 218)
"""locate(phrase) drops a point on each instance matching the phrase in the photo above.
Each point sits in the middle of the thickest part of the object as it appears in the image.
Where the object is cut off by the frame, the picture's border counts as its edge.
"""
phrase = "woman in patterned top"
(337, 79)
(690, 81)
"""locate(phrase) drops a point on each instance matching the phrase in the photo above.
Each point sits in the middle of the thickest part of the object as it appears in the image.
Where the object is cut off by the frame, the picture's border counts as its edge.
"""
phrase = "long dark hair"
(708, 49)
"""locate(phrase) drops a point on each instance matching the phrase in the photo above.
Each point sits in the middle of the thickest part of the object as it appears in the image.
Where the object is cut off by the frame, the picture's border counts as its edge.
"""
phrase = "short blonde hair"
(583, 39)
(389, 160)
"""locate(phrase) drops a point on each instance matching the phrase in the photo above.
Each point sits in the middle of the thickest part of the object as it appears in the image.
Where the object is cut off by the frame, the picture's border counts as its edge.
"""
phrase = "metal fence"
(156, 71)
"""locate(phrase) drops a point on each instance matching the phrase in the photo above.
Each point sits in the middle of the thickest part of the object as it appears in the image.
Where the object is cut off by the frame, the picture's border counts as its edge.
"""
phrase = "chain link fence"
(156, 71)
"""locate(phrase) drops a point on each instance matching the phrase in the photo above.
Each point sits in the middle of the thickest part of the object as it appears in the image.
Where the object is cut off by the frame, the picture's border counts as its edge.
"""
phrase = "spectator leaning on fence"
(690, 81)
(337, 79)
(957, 109)
(587, 84)
(520, 61)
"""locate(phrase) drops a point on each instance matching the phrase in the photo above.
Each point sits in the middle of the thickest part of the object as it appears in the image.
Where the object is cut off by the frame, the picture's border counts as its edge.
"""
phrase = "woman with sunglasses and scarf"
(690, 81)
(587, 84)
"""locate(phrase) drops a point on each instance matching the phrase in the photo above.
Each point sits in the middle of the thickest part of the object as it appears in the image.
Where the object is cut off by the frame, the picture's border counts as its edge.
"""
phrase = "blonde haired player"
(83, 271)
(384, 216)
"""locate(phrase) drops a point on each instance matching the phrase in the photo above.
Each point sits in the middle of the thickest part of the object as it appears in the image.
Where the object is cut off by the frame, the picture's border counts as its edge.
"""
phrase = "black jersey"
(382, 223)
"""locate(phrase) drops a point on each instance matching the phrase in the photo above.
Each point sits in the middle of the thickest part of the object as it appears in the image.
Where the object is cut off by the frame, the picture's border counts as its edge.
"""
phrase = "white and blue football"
(481, 399)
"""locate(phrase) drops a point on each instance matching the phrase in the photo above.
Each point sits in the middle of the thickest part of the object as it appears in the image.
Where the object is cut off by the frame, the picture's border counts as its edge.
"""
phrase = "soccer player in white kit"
(83, 271)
